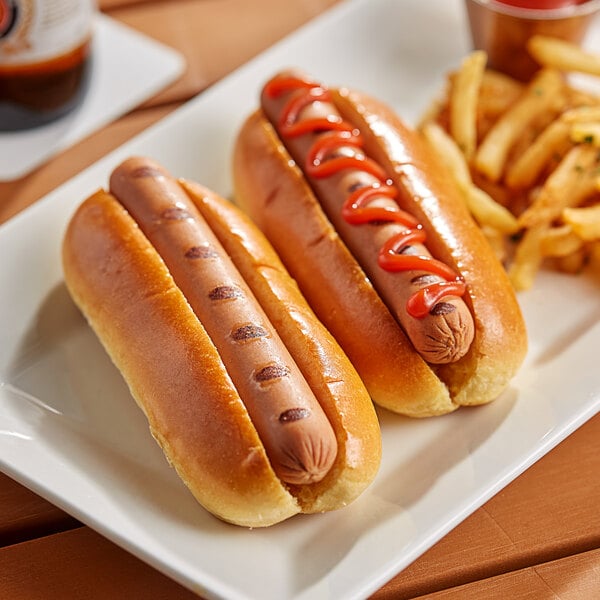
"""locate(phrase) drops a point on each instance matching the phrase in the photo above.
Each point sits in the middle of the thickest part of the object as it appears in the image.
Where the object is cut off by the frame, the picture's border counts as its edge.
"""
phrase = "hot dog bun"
(273, 190)
(177, 377)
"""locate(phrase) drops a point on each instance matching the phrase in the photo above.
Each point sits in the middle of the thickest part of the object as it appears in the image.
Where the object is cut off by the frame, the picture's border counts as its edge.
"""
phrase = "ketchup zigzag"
(356, 210)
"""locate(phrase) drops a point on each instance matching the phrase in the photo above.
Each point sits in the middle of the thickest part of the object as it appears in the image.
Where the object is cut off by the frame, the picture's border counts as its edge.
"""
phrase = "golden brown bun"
(275, 194)
(177, 378)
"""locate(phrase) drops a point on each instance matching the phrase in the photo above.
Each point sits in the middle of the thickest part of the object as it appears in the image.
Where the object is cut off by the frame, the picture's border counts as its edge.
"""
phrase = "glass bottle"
(45, 56)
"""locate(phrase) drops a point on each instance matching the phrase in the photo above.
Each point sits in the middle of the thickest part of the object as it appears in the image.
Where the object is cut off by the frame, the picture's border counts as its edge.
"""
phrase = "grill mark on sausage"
(357, 185)
(412, 251)
(201, 252)
(175, 213)
(271, 372)
(248, 332)
(361, 184)
(442, 308)
(146, 171)
(294, 414)
(424, 279)
(225, 292)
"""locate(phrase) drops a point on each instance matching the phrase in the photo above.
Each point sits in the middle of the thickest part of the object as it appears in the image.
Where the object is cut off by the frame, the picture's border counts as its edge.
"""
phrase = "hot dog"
(251, 399)
(382, 247)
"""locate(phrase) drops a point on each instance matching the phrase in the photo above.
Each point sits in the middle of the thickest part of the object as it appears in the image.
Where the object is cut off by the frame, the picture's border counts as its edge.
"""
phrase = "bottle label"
(33, 31)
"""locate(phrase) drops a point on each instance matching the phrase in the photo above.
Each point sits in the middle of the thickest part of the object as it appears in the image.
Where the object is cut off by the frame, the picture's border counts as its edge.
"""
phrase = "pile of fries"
(526, 157)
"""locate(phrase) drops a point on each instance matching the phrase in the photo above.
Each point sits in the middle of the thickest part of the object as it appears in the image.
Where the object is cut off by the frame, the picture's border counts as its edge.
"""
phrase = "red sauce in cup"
(502, 28)
(542, 4)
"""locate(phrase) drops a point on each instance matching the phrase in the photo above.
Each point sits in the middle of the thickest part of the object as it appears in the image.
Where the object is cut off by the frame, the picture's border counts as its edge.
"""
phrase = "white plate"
(69, 430)
(127, 68)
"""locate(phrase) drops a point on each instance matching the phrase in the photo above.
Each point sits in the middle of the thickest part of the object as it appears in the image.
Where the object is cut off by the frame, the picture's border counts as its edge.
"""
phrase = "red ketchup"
(541, 4)
(338, 133)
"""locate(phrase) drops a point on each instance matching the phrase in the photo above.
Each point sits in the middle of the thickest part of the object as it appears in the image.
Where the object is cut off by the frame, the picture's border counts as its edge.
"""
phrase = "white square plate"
(70, 431)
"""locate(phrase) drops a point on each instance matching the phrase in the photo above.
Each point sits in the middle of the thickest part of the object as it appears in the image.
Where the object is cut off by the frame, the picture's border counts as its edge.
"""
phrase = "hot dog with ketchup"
(251, 399)
(381, 245)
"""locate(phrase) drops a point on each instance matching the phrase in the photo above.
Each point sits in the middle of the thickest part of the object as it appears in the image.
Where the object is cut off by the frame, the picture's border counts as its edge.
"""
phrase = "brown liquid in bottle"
(36, 88)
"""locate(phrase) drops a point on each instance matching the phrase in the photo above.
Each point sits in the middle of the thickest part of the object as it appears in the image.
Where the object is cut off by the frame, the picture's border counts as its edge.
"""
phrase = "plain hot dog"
(390, 259)
(297, 436)
(250, 398)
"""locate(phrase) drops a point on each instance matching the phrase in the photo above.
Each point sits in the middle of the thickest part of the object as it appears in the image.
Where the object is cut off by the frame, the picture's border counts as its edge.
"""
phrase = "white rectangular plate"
(70, 431)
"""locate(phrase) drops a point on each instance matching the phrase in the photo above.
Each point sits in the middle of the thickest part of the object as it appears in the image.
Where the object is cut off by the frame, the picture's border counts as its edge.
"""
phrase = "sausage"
(425, 296)
(298, 438)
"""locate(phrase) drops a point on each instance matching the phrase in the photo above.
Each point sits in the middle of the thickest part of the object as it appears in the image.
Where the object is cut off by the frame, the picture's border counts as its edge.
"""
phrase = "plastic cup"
(503, 28)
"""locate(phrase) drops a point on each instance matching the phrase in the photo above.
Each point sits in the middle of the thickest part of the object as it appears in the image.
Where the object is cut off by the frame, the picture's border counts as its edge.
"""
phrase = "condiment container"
(502, 28)
(45, 59)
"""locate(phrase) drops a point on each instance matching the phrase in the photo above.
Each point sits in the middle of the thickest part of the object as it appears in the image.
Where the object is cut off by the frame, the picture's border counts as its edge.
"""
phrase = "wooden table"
(538, 538)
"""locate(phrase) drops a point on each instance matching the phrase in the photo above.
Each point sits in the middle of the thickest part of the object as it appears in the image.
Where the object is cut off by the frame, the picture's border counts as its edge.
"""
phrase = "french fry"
(560, 241)
(586, 133)
(571, 263)
(594, 256)
(463, 102)
(488, 212)
(568, 185)
(528, 258)
(525, 171)
(539, 96)
(562, 55)
(448, 152)
(483, 207)
(581, 114)
(585, 221)
(498, 92)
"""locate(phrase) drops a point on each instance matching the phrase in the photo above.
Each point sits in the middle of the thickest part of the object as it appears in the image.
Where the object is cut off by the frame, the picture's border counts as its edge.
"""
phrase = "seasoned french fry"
(482, 206)
(448, 152)
(498, 92)
(488, 212)
(528, 258)
(594, 256)
(525, 171)
(463, 102)
(586, 133)
(540, 95)
(569, 184)
(562, 55)
(581, 114)
(560, 241)
(585, 221)
(571, 263)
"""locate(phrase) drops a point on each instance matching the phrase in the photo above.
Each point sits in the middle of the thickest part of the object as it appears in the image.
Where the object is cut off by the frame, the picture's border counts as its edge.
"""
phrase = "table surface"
(537, 538)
